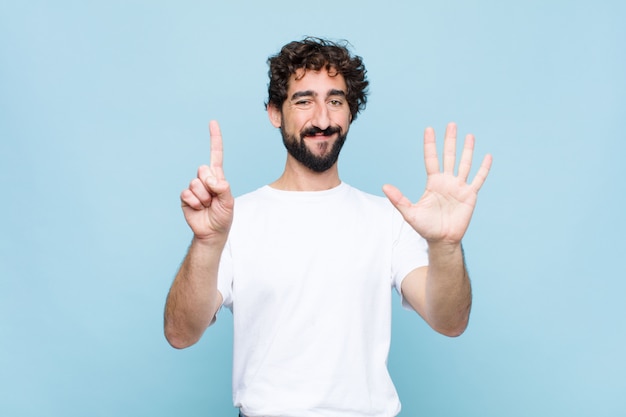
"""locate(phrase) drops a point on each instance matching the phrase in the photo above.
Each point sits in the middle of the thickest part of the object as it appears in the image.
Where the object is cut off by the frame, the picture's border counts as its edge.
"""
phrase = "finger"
(205, 173)
(397, 198)
(219, 189)
(188, 198)
(217, 150)
(431, 161)
(200, 191)
(466, 157)
(207, 176)
(214, 185)
(483, 171)
(449, 149)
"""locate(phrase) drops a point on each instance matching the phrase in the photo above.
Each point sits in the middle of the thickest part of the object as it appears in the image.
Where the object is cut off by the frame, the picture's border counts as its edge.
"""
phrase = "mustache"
(312, 131)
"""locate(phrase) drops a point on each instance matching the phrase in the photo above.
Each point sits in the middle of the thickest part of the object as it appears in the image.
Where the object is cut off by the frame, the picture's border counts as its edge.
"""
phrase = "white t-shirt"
(308, 277)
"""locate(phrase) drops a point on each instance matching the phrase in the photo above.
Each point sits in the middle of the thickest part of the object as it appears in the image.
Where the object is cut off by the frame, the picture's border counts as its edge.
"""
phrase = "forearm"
(448, 290)
(193, 299)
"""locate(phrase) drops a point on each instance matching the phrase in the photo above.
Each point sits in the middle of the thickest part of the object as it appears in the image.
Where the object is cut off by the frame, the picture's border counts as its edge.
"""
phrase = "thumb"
(218, 187)
(396, 197)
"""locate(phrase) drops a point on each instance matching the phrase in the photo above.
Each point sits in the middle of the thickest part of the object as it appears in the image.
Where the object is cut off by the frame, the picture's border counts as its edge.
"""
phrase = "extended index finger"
(431, 161)
(217, 150)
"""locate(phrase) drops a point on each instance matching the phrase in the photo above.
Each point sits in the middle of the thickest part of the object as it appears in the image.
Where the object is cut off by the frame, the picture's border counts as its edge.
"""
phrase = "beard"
(299, 150)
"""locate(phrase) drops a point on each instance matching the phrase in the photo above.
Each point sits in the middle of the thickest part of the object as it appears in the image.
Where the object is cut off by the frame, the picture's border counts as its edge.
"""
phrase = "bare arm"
(441, 292)
(208, 206)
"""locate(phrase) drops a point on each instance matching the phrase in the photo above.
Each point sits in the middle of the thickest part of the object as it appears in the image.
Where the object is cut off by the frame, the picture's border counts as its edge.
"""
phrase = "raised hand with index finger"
(443, 213)
(208, 203)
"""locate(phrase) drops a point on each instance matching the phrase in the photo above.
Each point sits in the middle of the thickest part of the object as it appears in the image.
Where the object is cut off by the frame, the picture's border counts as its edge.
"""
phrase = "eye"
(302, 103)
(336, 102)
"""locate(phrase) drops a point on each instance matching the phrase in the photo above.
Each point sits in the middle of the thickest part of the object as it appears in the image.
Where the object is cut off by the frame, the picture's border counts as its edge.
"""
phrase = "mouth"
(319, 134)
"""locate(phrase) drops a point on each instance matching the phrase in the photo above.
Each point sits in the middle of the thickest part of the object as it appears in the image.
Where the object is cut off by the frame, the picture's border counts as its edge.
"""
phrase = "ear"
(274, 115)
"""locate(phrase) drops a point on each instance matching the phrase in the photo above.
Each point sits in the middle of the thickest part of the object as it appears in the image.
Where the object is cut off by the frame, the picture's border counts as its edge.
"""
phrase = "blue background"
(104, 108)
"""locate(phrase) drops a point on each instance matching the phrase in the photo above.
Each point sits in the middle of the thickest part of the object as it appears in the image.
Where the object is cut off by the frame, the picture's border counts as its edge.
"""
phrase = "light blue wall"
(103, 120)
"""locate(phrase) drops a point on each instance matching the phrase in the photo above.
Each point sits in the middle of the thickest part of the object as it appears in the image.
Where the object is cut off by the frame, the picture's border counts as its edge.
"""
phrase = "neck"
(297, 177)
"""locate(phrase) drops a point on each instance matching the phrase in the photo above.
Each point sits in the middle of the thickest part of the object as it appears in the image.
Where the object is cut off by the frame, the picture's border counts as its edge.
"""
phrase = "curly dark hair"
(315, 54)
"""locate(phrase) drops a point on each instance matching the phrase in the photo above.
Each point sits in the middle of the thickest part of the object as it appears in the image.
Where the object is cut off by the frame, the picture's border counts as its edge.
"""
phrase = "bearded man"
(307, 263)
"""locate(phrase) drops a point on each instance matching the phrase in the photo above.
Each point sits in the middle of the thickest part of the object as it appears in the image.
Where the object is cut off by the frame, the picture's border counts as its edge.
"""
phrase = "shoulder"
(367, 199)
(253, 197)
(376, 208)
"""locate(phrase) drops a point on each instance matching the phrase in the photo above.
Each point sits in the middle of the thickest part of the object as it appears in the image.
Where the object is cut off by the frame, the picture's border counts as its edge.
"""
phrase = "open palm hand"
(444, 211)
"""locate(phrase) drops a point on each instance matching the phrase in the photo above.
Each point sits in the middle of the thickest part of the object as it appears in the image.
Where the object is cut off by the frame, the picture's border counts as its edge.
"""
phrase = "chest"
(311, 249)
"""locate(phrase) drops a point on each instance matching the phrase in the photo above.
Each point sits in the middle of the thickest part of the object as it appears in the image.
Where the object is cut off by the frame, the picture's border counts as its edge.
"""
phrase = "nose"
(321, 118)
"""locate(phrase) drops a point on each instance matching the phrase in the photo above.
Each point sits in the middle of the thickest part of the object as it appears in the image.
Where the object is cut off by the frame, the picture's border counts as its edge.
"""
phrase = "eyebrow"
(311, 93)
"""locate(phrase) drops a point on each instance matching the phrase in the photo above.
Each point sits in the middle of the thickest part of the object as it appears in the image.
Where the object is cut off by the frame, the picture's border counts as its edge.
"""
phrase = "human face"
(314, 119)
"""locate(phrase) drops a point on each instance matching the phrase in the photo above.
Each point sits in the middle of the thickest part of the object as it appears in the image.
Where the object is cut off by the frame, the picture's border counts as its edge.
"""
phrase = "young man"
(307, 264)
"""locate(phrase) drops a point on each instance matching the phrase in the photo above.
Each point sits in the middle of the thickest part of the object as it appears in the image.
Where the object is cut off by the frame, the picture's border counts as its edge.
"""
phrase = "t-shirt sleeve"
(410, 251)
